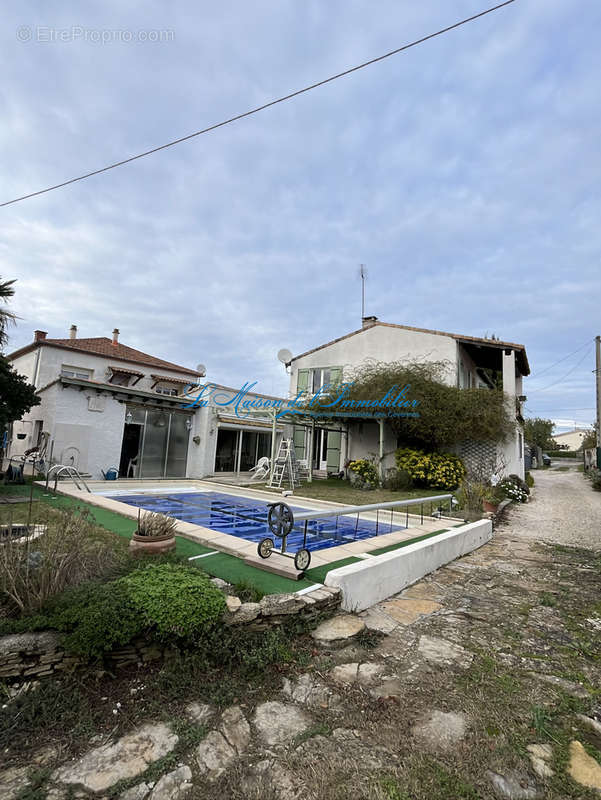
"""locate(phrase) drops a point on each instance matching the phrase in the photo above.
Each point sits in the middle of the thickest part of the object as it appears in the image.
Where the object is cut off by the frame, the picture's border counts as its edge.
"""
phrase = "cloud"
(463, 172)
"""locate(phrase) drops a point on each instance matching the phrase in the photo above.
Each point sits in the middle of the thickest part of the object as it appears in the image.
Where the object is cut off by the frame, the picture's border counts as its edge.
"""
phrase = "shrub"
(529, 480)
(95, 618)
(470, 496)
(511, 489)
(519, 482)
(365, 471)
(174, 601)
(73, 550)
(397, 480)
(595, 476)
(169, 602)
(438, 470)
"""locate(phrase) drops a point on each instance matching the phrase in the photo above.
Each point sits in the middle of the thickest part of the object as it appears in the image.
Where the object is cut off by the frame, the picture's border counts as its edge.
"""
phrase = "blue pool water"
(247, 518)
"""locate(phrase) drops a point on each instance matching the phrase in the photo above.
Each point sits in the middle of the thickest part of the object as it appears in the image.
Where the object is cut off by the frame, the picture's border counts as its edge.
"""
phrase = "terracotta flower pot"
(493, 507)
(152, 544)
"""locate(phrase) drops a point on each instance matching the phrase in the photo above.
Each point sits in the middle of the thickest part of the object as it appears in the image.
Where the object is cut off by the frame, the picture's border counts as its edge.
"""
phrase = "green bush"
(565, 454)
(595, 476)
(169, 602)
(174, 601)
(365, 471)
(95, 618)
(435, 470)
(529, 480)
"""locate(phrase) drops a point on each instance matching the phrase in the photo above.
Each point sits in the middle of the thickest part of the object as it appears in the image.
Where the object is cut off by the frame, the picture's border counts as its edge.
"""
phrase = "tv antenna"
(363, 276)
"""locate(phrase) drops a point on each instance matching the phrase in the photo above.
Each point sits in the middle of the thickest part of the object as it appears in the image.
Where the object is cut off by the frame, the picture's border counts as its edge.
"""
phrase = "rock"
(406, 610)
(345, 673)
(540, 755)
(305, 689)
(279, 723)
(219, 583)
(138, 792)
(214, 755)
(232, 603)
(575, 689)
(591, 723)
(376, 620)
(246, 613)
(13, 781)
(43, 642)
(390, 688)
(584, 769)
(338, 631)
(365, 674)
(441, 730)
(199, 712)
(513, 786)
(440, 651)
(235, 728)
(270, 779)
(275, 604)
(173, 785)
(129, 756)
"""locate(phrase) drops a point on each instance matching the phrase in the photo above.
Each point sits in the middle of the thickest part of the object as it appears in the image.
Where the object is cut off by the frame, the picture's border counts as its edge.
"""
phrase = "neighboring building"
(105, 404)
(469, 360)
(571, 440)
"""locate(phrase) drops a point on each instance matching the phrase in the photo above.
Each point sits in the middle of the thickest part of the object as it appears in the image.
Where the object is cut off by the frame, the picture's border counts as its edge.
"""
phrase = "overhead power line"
(565, 358)
(560, 380)
(259, 108)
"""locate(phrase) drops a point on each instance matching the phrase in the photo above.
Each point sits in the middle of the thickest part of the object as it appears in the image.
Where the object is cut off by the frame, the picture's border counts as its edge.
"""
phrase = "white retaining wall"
(380, 577)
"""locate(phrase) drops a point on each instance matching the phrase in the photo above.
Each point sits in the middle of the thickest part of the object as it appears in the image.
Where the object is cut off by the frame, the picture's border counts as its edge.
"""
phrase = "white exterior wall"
(88, 440)
(380, 343)
(571, 439)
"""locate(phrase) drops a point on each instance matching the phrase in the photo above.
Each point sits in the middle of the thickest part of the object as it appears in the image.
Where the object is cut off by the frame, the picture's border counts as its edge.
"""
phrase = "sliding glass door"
(163, 442)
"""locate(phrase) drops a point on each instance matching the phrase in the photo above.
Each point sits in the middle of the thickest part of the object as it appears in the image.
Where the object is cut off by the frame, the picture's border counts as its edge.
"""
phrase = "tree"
(6, 317)
(590, 440)
(539, 432)
(17, 397)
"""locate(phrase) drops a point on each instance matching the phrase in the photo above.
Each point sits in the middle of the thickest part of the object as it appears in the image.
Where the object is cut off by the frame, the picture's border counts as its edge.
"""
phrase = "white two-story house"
(106, 405)
(469, 361)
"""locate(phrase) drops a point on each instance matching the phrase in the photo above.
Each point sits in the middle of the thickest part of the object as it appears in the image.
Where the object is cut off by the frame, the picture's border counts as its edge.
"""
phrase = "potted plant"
(155, 534)
(491, 499)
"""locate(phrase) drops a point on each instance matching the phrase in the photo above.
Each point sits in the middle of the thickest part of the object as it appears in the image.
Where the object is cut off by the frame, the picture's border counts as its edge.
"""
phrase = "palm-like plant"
(6, 317)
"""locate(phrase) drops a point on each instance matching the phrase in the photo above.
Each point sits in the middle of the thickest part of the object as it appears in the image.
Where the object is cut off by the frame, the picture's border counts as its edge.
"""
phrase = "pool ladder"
(71, 473)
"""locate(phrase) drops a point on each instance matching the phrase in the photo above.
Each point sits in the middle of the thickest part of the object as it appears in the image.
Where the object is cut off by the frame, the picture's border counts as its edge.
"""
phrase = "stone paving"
(371, 712)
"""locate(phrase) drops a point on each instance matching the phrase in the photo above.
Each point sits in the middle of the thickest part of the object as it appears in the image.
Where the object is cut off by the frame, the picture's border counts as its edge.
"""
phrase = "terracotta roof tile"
(103, 346)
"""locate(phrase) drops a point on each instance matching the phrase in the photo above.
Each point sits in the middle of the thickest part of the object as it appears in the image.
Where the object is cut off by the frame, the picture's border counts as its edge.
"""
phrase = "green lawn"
(339, 491)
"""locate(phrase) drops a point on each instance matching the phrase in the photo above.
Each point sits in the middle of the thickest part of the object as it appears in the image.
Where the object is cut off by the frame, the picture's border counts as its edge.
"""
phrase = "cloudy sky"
(464, 173)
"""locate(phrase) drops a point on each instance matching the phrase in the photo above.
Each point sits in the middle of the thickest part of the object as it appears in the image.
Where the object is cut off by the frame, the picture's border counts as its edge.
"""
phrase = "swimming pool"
(247, 518)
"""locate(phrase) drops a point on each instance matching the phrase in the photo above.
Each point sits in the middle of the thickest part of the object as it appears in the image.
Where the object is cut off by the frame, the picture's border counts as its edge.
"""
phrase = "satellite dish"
(202, 369)
(284, 355)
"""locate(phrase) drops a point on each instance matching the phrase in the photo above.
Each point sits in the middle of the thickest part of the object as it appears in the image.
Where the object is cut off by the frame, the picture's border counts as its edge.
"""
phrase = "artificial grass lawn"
(228, 568)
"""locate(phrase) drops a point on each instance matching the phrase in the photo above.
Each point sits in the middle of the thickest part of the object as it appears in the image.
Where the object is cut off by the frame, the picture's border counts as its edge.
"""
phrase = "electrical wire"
(258, 108)
(578, 349)
(550, 386)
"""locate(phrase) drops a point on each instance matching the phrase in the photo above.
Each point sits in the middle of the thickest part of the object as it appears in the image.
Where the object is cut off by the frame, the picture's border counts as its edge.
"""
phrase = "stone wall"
(29, 656)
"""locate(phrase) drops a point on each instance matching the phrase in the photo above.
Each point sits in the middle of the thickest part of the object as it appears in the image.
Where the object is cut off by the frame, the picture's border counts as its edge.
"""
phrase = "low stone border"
(29, 656)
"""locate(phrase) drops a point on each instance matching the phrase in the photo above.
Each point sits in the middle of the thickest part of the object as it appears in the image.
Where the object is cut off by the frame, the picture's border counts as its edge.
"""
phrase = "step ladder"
(286, 467)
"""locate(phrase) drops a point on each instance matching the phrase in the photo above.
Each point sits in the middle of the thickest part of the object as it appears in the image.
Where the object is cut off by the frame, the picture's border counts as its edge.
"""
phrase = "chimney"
(368, 322)
(73, 332)
(39, 336)
(116, 337)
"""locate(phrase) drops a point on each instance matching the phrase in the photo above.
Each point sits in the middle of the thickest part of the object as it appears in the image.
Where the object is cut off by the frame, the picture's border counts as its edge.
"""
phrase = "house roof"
(122, 392)
(103, 346)
(520, 349)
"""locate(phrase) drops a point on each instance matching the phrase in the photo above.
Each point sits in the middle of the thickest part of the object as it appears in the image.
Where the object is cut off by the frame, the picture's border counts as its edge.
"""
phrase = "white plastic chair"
(261, 469)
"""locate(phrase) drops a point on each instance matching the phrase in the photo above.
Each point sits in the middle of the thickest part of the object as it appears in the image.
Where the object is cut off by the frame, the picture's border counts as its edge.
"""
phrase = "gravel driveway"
(563, 509)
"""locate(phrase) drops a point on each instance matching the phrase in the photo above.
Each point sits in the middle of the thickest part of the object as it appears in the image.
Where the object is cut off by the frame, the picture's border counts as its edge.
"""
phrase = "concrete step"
(277, 564)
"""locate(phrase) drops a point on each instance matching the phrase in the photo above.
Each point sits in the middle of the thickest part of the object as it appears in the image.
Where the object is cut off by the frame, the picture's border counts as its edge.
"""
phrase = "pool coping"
(236, 546)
